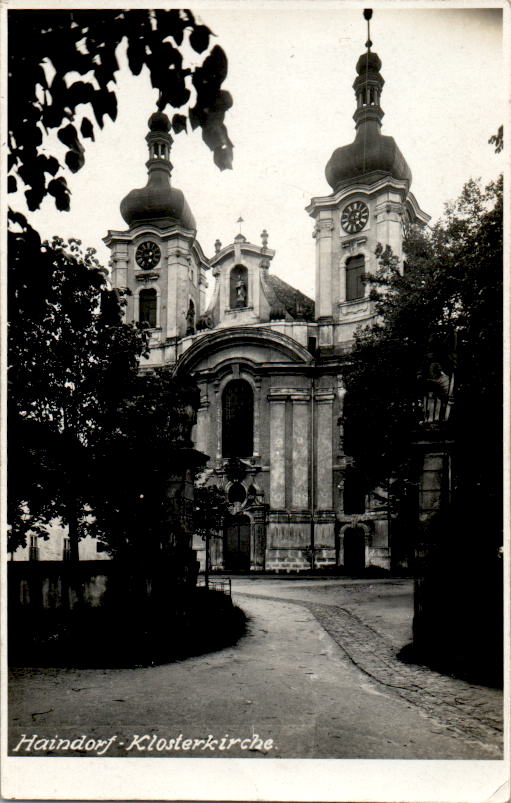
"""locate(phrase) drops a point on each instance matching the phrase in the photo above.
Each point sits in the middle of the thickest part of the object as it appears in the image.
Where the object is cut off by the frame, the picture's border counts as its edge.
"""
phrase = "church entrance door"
(354, 550)
(237, 545)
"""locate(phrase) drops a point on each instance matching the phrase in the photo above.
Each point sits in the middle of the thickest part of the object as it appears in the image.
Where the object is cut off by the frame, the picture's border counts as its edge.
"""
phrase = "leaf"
(173, 23)
(75, 159)
(179, 123)
(87, 129)
(59, 189)
(136, 55)
(215, 65)
(199, 38)
(68, 135)
(48, 164)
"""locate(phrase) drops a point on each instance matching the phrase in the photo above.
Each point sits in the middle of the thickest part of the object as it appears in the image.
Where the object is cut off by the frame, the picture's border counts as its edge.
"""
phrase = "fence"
(216, 584)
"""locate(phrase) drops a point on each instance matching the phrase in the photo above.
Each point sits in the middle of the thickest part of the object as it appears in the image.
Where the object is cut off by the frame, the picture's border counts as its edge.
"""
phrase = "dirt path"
(286, 682)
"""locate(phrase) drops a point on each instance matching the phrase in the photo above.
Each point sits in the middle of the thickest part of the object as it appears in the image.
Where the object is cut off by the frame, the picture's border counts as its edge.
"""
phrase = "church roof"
(288, 301)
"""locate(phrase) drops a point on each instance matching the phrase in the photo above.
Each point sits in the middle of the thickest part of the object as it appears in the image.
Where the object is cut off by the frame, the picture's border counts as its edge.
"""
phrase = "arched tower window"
(355, 269)
(190, 319)
(238, 419)
(159, 150)
(238, 291)
(147, 307)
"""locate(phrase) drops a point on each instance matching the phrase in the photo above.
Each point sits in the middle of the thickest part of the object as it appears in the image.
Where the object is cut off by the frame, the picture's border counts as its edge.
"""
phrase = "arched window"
(237, 419)
(147, 307)
(355, 268)
(190, 319)
(238, 291)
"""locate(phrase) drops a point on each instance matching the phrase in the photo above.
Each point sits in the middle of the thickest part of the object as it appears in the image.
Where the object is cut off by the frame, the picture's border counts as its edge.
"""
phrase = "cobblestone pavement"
(470, 711)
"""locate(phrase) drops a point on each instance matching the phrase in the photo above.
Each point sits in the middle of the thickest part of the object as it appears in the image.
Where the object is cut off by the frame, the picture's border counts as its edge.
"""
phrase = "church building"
(268, 360)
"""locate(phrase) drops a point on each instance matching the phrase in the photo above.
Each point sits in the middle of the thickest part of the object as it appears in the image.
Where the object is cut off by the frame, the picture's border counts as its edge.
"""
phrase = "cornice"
(357, 188)
(421, 216)
(245, 247)
(128, 236)
(212, 340)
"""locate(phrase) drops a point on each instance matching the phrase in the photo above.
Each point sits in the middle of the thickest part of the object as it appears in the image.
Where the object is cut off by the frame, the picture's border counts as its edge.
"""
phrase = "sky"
(291, 70)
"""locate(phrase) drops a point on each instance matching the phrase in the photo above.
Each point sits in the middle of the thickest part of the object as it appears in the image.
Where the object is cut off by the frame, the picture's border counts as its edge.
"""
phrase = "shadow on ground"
(484, 672)
(134, 635)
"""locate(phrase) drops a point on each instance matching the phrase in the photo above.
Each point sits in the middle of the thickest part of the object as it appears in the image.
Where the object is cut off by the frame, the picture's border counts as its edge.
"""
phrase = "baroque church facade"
(268, 360)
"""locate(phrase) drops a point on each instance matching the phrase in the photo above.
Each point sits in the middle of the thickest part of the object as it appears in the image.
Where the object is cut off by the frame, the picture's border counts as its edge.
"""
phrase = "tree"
(47, 49)
(444, 310)
(210, 511)
(447, 304)
(70, 358)
(144, 451)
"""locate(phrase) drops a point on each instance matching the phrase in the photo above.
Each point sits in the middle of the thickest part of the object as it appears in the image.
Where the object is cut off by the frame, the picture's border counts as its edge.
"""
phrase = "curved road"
(287, 682)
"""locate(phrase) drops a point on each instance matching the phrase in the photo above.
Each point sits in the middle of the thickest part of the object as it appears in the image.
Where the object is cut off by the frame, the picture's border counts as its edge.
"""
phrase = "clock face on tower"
(147, 255)
(354, 217)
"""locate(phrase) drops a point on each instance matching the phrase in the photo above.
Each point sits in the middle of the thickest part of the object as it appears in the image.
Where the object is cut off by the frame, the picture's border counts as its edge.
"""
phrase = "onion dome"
(371, 155)
(368, 62)
(158, 202)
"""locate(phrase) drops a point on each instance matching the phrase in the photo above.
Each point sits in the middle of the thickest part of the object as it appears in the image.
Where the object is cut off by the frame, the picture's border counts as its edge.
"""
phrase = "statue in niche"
(190, 319)
(241, 293)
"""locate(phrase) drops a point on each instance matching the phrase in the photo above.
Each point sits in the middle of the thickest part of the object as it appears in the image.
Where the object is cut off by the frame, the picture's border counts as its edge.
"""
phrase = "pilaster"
(389, 222)
(301, 458)
(323, 233)
(324, 480)
(202, 428)
(277, 451)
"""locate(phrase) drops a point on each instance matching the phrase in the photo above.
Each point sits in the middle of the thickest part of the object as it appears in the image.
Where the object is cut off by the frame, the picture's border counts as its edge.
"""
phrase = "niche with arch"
(238, 287)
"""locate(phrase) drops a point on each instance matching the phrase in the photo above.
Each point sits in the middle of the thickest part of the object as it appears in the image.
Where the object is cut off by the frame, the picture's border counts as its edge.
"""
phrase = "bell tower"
(158, 260)
(370, 204)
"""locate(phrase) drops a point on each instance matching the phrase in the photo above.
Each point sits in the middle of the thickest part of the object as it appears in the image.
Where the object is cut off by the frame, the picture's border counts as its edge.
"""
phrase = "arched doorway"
(237, 544)
(354, 550)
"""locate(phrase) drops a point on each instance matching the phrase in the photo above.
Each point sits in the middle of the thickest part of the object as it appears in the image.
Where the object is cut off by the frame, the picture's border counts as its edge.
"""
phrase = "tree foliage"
(62, 70)
(498, 139)
(70, 357)
(144, 448)
(447, 307)
(210, 510)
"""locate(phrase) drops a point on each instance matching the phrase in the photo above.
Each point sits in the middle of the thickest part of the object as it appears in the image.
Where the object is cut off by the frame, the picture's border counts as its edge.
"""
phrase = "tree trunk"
(74, 556)
(206, 565)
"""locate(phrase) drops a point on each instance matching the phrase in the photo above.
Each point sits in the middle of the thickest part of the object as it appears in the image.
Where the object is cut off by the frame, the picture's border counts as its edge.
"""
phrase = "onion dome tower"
(372, 154)
(158, 202)
(370, 205)
(158, 259)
